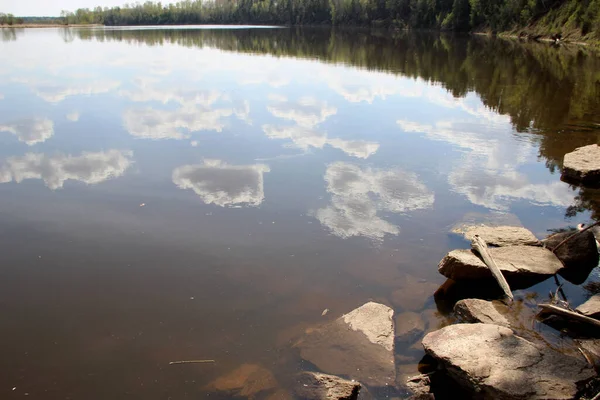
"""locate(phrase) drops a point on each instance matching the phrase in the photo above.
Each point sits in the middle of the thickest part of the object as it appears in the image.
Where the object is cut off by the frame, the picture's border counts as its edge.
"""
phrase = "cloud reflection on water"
(222, 184)
(31, 130)
(90, 168)
(359, 194)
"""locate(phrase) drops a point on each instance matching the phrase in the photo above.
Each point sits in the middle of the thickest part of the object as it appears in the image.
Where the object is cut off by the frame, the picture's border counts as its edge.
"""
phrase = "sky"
(30, 8)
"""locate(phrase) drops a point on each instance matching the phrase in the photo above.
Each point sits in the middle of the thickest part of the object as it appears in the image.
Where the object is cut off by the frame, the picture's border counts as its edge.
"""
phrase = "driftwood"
(192, 362)
(479, 245)
(549, 308)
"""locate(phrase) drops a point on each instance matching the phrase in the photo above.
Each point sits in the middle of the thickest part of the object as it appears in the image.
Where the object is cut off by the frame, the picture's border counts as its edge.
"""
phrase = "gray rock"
(476, 310)
(500, 235)
(580, 252)
(491, 362)
(359, 345)
(409, 326)
(583, 165)
(591, 308)
(513, 261)
(316, 386)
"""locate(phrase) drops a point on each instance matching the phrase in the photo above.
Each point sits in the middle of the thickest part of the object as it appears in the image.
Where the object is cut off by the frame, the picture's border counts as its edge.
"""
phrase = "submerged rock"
(476, 310)
(247, 381)
(500, 235)
(579, 255)
(491, 362)
(527, 262)
(316, 386)
(413, 293)
(583, 165)
(409, 326)
(591, 308)
(359, 344)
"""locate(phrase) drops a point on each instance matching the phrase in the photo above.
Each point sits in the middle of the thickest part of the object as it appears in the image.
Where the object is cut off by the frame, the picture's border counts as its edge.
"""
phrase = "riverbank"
(48, 26)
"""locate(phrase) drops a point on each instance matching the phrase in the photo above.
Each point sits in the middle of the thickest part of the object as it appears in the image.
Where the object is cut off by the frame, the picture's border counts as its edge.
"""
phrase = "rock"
(359, 344)
(591, 347)
(413, 294)
(579, 253)
(500, 235)
(591, 308)
(491, 362)
(526, 262)
(419, 385)
(316, 386)
(583, 165)
(476, 310)
(247, 381)
(409, 326)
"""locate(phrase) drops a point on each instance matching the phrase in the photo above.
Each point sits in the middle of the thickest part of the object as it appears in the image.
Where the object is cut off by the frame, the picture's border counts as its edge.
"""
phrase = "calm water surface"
(189, 194)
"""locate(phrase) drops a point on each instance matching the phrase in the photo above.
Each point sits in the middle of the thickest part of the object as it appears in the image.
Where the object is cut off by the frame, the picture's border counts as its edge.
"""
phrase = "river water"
(181, 194)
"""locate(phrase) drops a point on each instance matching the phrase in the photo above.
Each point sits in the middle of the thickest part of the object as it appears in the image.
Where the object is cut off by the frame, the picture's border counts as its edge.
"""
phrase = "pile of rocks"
(485, 354)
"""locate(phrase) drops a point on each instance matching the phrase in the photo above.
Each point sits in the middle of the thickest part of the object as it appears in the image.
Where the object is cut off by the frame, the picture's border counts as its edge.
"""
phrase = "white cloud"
(89, 168)
(306, 112)
(30, 131)
(73, 116)
(149, 123)
(146, 91)
(224, 185)
(1, 96)
(496, 190)
(358, 194)
(304, 138)
(54, 92)
(487, 175)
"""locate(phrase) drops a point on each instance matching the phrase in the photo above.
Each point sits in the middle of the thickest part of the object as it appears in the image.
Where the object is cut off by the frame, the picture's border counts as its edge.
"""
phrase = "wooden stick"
(569, 314)
(558, 246)
(192, 362)
(479, 245)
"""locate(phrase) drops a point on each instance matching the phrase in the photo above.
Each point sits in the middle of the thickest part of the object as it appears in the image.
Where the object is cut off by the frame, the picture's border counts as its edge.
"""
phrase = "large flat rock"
(491, 362)
(514, 262)
(359, 345)
(500, 235)
(583, 165)
(591, 308)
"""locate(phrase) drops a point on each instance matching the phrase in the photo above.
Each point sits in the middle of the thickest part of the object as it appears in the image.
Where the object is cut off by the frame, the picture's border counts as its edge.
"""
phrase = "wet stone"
(359, 345)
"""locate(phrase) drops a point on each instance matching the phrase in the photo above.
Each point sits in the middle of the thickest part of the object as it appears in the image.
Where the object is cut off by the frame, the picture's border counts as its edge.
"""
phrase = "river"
(183, 193)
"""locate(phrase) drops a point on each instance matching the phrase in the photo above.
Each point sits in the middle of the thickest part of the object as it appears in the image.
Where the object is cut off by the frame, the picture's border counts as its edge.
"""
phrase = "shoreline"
(22, 26)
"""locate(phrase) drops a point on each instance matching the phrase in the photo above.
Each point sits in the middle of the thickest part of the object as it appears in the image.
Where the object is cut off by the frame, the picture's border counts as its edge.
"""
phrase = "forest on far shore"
(581, 17)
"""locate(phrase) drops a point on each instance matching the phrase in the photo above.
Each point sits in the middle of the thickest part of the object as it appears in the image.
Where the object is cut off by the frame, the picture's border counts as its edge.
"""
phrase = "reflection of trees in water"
(551, 92)
(10, 34)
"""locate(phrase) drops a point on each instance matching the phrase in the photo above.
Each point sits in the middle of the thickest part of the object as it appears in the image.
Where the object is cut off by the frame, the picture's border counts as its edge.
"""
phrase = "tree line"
(456, 15)
(9, 19)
